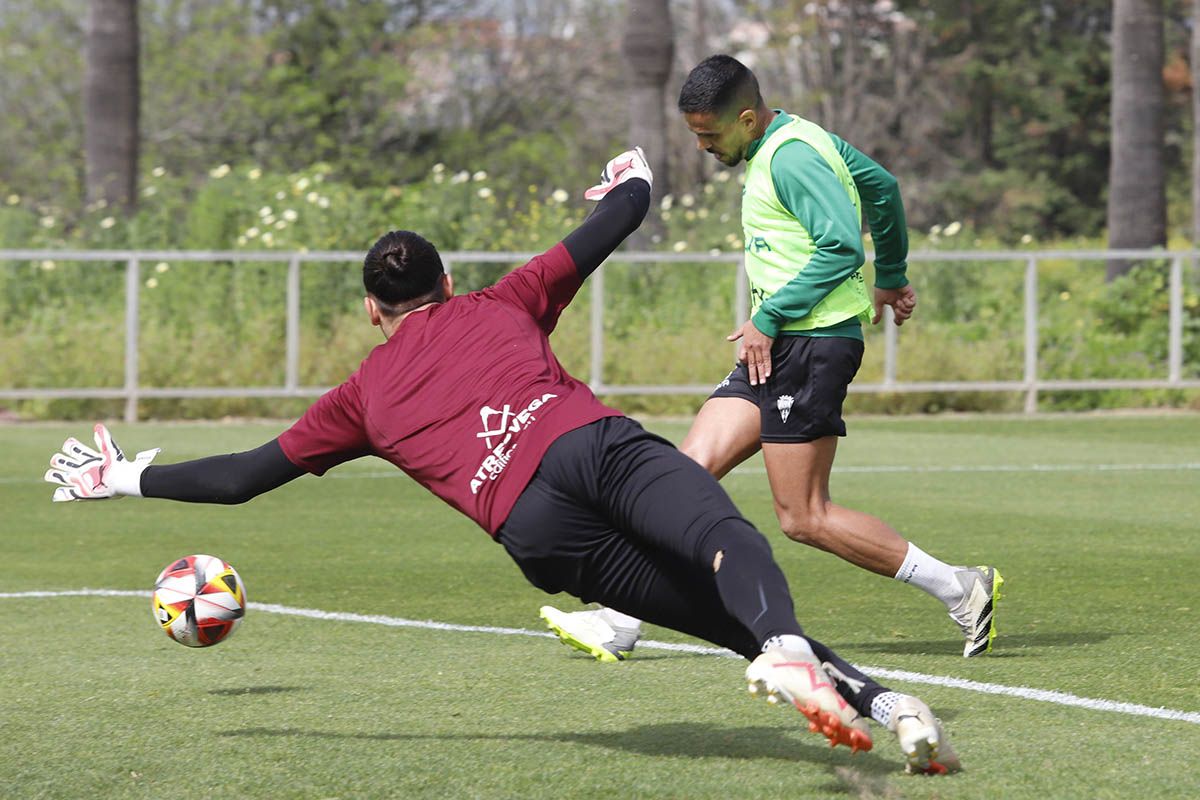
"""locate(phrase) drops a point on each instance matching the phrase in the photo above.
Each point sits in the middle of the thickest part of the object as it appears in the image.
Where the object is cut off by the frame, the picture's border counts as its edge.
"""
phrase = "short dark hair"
(718, 85)
(401, 272)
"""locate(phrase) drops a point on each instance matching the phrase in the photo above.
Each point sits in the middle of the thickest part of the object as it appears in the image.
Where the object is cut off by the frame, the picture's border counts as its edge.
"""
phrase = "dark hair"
(401, 272)
(717, 85)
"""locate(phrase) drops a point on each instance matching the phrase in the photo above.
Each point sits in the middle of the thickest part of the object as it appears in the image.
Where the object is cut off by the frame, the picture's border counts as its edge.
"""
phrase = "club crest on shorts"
(784, 404)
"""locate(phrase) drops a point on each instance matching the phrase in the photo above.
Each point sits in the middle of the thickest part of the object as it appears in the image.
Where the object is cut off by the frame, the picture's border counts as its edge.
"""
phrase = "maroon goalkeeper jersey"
(465, 396)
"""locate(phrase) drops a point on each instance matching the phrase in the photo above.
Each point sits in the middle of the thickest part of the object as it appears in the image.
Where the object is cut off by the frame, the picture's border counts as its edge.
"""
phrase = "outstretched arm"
(624, 195)
(86, 474)
(227, 479)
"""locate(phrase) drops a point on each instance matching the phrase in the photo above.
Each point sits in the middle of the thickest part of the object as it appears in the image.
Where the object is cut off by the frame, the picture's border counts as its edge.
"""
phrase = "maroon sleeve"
(543, 287)
(330, 432)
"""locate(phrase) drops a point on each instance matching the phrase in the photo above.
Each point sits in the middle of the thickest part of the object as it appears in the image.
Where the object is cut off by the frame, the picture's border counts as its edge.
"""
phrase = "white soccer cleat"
(589, 632)
(799, 679)
(924, 743)
(976, 614)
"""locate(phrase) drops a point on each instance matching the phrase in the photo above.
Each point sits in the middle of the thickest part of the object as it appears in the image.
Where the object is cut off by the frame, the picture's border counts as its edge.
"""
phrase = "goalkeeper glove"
(630, 164)
(86, 474)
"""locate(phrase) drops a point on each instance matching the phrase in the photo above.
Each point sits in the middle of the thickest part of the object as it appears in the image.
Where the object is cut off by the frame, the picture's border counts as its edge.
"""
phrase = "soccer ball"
(199, 600)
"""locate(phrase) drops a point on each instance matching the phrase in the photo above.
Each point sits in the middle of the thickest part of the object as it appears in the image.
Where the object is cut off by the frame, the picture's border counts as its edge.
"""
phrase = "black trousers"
(619, 516)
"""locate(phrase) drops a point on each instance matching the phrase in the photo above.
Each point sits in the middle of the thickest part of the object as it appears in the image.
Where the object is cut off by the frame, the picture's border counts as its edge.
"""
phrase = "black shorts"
(802, 400)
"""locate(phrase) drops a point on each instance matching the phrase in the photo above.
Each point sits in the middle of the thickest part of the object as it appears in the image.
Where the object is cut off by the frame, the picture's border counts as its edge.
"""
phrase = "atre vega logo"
(500, 428)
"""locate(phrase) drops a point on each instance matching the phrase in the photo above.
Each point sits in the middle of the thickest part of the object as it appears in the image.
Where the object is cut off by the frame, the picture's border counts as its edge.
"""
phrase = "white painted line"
(1023, 692)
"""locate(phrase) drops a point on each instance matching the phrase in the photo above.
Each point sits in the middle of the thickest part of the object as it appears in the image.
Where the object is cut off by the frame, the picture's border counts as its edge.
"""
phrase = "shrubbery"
(222, 324)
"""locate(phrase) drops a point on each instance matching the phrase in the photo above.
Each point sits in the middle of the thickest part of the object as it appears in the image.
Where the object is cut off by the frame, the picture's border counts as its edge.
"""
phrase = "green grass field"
(1094, 521)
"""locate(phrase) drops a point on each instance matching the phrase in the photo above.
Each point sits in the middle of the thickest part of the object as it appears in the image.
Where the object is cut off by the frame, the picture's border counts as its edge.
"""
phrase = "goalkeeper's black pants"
(618, 516)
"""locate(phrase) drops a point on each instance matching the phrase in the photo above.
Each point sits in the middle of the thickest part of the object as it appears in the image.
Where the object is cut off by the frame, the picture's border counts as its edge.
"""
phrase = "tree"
(1137, 200)
(111, 101)
(649, 49)
(1195, 58)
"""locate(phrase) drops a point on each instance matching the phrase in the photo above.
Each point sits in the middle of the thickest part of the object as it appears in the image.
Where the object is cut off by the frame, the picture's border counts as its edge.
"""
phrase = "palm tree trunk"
(649, 48)
(111, 101)
(1137, 202)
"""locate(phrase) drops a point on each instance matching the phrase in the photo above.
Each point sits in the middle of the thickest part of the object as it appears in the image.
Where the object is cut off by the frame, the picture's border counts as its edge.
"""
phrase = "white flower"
(438, 177)
(936, 230)
(323, 202)
(716, 251)
(107, 223)
(312, 197)
(269, 219)
(254, 174)
(152, 283)
(241, 240)
(47, 221)
(689, 215)
(302, 184)
(265, 211)
(702, 213)
(158, 172)
(484, 192)
(252, 233)
(280, 195)
(438, 168)
(13, 199)
(150, 191)
(679, 247)
(952, 228)
(268, 238)
(560, 196)
(161, 267)
(219, 172)
(1064, 295)
(721, 177)
(48, 265)
(290, 215)
(1026, 239)
(687, 201)
(724, 217)
(479, 176)
(461, 177)
(666, 202)
(280, 224)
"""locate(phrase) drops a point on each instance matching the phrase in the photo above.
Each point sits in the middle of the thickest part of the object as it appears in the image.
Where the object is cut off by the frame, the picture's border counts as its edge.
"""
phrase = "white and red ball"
(199, 600)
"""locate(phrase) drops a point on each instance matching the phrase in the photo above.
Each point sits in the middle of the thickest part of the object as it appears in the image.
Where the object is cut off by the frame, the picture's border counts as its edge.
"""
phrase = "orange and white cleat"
(800, 679)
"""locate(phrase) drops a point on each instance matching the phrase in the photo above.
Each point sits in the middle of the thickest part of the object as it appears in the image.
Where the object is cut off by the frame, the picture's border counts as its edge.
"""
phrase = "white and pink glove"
(630, 164)
(85, 474)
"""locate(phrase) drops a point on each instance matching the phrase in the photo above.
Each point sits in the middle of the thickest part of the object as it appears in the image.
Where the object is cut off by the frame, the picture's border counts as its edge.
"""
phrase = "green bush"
(212, 324)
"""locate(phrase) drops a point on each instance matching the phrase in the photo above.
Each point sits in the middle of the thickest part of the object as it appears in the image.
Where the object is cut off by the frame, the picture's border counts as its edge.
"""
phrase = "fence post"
(1031, 336)
(132, 292)
(596, 378)
(1175, 332)
(890, 337)
(292, 368)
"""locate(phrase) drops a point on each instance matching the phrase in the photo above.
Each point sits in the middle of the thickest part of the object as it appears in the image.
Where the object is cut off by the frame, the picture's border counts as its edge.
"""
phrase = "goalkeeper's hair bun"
(401, 266)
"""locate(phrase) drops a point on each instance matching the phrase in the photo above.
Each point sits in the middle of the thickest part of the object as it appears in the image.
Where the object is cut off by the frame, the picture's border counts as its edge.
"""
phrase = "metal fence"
(1030, 384)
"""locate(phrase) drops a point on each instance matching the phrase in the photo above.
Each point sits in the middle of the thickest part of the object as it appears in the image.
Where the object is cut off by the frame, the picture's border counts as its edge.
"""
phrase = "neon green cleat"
(976, 614)
(589, 632)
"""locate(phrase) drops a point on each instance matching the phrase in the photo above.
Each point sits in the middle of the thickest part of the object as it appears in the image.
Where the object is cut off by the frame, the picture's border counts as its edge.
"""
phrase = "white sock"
(620, 621)
(790, 642)
(882, 705)
(936, 577)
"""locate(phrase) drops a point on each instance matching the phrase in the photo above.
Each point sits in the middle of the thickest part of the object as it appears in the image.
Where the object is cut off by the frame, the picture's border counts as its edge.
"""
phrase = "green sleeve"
(811, 191)
(879, 192)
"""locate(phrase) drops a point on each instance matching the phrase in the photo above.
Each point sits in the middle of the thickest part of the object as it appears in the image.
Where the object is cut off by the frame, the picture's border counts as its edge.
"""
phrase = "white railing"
(1030, 384)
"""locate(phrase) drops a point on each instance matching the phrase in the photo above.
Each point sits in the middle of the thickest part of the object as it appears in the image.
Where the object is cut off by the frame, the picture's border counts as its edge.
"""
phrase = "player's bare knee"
(803, 528)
